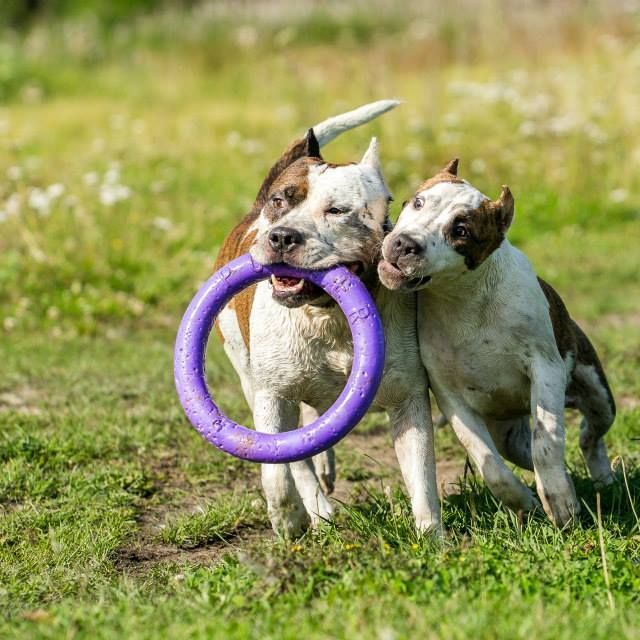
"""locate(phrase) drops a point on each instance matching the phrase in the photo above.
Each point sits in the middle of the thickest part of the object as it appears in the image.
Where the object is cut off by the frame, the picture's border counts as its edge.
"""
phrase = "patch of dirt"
(374, 453)
(361, 458)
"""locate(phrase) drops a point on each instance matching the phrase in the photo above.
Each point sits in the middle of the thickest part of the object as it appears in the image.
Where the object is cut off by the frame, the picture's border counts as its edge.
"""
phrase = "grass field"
(126, 155)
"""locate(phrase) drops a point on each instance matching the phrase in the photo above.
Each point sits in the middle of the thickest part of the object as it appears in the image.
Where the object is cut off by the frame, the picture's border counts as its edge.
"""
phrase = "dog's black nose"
(403, 246)
(285, 239)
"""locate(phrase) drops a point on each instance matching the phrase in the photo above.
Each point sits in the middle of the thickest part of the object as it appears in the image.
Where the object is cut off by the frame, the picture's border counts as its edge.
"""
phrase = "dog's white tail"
(329, 129)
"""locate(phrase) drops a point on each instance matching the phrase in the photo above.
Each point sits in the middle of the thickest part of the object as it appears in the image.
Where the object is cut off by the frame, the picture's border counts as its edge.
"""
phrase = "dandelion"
(415, 546)
(296, 548)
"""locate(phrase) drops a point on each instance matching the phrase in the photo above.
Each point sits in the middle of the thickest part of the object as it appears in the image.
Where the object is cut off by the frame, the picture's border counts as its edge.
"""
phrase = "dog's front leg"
(272, 414)
(412, 431)
(555, 488)
(293, 493)
(475, 438)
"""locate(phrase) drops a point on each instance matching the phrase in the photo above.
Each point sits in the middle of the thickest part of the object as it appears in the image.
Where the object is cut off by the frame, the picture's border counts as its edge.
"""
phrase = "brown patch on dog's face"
(243, 235)
(477, 233)
(289, 189)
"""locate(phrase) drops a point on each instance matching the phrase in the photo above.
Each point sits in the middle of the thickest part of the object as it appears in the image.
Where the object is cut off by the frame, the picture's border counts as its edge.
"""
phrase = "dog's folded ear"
(503, 207)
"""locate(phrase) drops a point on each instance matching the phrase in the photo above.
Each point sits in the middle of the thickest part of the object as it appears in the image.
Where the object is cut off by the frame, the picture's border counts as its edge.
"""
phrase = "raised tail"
(329, 129)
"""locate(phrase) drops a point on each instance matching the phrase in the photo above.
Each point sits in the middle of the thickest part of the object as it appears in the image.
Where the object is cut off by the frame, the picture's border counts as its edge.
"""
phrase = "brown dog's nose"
(283, 239)
(403, 246)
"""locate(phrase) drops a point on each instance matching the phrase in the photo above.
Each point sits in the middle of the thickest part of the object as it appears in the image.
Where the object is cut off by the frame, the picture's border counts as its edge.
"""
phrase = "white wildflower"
(246, 37)
(162, 224)
(528, 129)
(90, 178)
(55, 190)
(39, 201)
(14, 173)
(112, 175)
(618, 195)
(233, 139)
(12, 205)
(110, 194)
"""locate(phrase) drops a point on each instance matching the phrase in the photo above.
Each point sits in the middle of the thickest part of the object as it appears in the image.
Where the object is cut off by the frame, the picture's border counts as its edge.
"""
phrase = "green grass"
(116, 520)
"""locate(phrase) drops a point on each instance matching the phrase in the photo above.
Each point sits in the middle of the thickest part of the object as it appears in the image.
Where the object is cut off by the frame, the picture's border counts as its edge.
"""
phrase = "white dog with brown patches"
(498, 343)
(291, 345)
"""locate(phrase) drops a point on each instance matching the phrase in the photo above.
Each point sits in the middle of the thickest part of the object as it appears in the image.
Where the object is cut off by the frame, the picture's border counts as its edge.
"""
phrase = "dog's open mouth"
(287, 287)
(394, 278)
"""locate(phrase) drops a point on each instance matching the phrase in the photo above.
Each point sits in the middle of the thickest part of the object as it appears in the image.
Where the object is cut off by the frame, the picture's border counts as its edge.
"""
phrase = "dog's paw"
(563, 510)
(289, 523)
(322, 512)
(427, 526)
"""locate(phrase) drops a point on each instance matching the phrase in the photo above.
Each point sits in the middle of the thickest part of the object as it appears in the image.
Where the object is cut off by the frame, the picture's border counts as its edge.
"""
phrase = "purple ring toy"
(366, 372)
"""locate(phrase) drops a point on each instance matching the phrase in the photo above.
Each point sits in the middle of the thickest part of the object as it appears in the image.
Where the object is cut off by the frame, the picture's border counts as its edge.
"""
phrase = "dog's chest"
(297, 352)
(481, 364)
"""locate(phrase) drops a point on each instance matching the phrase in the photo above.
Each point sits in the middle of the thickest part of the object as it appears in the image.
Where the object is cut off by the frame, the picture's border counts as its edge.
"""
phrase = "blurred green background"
(133, 136)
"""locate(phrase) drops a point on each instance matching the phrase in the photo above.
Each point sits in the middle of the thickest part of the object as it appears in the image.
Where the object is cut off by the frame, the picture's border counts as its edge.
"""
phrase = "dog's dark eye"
(277, 202)
(418, 203)
(334, 210)
(459, 231)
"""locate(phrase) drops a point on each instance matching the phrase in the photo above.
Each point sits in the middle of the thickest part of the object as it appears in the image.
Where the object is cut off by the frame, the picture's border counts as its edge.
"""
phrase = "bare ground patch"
(362, 459)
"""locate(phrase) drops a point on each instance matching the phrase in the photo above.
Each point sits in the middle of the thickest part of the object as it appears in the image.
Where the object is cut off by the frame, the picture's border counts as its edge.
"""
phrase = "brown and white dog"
(498, 343)
(289, 342)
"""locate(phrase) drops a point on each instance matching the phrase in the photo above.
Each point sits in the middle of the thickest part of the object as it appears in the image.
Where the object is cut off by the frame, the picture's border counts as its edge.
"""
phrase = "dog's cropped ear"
(371, 158)
(503, 207)
(300, 148)
(312, 145)
(452, 167)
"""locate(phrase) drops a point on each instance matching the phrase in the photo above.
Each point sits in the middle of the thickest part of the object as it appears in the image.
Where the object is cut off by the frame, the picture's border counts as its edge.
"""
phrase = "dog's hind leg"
(324, 463)
(555, 487)
(590, 392)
